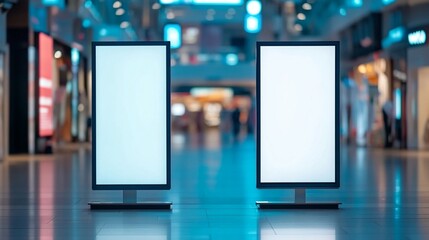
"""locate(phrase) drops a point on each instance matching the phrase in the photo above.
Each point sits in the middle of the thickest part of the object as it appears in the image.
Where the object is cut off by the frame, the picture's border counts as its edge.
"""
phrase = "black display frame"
(296, 185)
(166, 186)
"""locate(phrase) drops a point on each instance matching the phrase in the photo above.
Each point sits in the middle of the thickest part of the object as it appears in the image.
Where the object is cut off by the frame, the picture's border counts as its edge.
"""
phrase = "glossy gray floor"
(385, 195)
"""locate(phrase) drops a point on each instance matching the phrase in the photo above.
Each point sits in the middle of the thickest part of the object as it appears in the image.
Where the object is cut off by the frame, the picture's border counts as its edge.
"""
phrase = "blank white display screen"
(131, 117)
(297, 114)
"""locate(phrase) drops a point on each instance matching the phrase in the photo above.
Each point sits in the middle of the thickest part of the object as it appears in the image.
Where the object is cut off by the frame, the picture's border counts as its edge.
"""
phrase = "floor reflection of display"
(285, 226)
(155, 231)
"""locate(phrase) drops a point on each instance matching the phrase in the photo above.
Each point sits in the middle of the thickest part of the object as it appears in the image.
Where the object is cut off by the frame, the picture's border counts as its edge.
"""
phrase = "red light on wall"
(46, 125)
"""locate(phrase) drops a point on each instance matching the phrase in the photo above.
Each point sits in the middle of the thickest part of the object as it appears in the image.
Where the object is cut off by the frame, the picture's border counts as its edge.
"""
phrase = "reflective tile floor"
(385, 195)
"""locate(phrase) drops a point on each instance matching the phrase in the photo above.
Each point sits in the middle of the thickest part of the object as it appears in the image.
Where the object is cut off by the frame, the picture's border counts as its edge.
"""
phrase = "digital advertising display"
(131, 115)
(46, 53)
(298, 114)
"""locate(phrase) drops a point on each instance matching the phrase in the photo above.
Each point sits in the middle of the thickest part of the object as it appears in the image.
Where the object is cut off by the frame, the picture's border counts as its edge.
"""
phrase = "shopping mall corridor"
(385, 195)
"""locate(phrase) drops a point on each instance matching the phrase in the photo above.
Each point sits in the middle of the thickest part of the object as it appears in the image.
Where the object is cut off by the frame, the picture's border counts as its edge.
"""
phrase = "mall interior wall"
(2, 31)
(418, 87)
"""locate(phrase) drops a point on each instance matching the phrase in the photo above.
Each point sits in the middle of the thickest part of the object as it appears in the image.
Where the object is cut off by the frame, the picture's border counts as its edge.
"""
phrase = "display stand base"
(130, 206)
(300, 203)
(285, 205)
(130, 203)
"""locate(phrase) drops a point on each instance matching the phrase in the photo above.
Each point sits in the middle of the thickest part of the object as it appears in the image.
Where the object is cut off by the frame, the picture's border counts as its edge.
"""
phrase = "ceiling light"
(120, 11)
(124, 24)
(117, 4)
(301, 16)
(171, 15)
(103, 32)
(307, 6)
(211, 12)
(298, 27)
(58, 54)
(253, 7)
(156, 6)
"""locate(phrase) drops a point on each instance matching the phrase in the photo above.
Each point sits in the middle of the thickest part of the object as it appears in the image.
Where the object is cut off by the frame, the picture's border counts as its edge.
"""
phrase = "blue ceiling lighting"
(388, 2)
(343, 12)
(253, 19)
(88, 3)
(103, 32)
(202, 2)
(231, 59)
(53, 3)
(173, 33)
(252, 24)
(86, 23)
(355, 3)
(220, 2)
(169, 1)
(253, 7)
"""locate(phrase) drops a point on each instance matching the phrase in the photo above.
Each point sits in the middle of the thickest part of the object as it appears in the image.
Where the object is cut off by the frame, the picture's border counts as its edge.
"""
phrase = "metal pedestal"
(130, 202)
(299, 203)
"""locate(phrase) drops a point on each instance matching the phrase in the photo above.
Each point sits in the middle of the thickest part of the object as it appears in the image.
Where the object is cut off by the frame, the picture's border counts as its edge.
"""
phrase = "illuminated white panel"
(203, 2)
(131, 128)
(226, 2)
(297, 111)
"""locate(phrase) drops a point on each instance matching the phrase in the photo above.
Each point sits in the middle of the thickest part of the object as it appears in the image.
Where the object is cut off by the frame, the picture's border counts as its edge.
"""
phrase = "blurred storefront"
(367, 84)
(385, 85)
(395, 49)
(3, 86)
(371, 94)
(226, 109)
(49, 70)
(418, 77)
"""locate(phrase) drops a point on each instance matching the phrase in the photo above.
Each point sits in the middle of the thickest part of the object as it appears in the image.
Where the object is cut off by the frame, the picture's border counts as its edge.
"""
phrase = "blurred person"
(387, 111)
(200, 121)
(251, 119)
(236, 124)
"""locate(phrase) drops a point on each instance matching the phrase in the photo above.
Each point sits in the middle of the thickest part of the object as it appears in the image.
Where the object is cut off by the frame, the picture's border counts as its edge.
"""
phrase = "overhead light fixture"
(103, 32)
(301, 16)
(117, 4)
(88, 4)
(231, 59)
(173, 33)
(253, 7)
(231, 11)
(125, 24)
(211, 11)
(156, 6)
(252, 24)
(120, 11)
(298, 27)
(58, 54)
(307, 6)
(171, 15)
